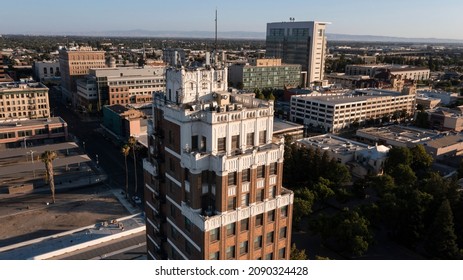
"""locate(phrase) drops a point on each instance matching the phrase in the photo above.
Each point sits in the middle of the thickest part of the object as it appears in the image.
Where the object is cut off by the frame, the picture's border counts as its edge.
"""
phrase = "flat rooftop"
(351, 96)
(7, 87)
(392, 67)
(404, 134)
(7, 124)
(334, 144)
(281, 126)
(69, 241)
(445, 141)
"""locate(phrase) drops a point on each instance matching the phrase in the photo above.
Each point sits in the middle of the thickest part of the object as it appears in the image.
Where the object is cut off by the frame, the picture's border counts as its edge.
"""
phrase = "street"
(101, 149)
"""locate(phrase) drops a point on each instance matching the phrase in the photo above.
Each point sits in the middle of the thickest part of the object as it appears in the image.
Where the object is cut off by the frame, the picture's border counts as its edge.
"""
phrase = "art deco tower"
(213, 176)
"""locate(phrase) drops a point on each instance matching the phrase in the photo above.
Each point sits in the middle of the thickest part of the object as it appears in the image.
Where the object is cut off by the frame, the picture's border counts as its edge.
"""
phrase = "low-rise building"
(25, 133)
(444, 97)
(350, 81)
(122, 122)
(396, 135)
(3, 76)
(46, 71)
(427, 102)
(362, 158)
(445, 146)
(405, 71)
(87, 93)
(287, 129)
(446, 119)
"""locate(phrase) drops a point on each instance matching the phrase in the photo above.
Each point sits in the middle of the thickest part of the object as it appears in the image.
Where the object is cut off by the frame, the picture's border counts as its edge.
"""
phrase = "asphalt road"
(109, 156)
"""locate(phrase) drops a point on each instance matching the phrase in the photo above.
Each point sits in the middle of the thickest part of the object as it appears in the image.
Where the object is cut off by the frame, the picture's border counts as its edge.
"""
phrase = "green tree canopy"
(403, 175)
(442, 241)
(297, 254)
(322, 189)
(303, 202)
(383, 184)
(396, 156)
(421, 160)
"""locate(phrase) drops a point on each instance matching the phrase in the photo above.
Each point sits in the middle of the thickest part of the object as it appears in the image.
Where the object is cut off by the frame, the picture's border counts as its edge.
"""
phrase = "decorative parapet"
(199, 161)
(209, 223)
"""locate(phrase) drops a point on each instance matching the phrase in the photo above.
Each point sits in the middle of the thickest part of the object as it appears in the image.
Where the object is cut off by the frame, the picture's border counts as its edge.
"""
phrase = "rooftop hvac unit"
(223, 99)
(221, 109)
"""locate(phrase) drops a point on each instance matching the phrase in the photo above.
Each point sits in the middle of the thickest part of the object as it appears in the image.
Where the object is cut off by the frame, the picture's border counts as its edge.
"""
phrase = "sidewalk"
(126, 202)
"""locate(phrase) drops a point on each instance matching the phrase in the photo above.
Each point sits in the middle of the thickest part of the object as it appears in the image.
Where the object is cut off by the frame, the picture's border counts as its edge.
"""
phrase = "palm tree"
(131, 143)
(125, 150)
(47, 157)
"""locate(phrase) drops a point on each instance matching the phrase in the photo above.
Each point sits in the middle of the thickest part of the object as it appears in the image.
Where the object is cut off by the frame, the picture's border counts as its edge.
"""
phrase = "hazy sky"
(401, 18)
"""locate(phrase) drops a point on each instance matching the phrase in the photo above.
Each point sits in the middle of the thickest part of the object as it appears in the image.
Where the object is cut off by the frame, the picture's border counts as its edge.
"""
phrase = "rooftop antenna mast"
(216, 30)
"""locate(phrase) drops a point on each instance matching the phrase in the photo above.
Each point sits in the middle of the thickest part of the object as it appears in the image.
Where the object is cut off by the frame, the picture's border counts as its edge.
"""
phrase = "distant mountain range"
(373, 38)
(245, 35)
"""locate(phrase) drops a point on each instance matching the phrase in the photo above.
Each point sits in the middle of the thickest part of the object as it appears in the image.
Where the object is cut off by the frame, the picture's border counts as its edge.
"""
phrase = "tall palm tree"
(47, 157)
(131, 143)
(125, 150)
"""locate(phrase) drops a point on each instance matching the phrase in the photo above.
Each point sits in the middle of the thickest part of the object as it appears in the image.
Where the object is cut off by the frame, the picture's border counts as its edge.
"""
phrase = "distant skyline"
(398, 18)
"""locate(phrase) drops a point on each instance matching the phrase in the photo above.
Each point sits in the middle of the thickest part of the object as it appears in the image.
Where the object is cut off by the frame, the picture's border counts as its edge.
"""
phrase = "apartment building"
(265, 73)
(23, 101)
(125, 85)
(333, 112)
(74, 64)
(301, 42)
(213, 176)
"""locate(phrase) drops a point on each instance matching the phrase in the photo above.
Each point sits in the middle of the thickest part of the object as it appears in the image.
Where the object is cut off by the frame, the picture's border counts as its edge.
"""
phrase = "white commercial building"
(445, 97)
(333, 112)
(362, 158)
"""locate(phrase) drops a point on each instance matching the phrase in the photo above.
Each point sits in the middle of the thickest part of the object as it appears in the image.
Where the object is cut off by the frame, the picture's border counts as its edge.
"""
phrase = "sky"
(399, 18)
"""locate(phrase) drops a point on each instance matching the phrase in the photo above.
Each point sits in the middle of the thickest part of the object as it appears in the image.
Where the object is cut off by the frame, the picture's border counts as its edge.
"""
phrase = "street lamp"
(32, 160)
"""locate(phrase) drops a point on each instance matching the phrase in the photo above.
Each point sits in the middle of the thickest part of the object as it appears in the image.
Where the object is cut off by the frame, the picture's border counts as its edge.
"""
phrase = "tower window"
(221, 144)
